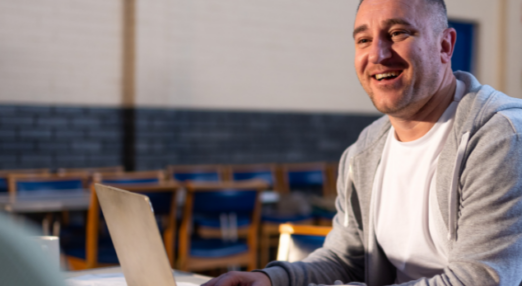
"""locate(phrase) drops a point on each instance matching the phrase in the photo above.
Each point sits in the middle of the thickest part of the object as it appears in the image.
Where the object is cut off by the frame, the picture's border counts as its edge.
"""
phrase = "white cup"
(50, 246)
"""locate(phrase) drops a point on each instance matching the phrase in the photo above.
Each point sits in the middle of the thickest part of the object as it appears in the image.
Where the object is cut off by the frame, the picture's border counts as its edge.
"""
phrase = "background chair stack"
(97, 250)
(226, 203)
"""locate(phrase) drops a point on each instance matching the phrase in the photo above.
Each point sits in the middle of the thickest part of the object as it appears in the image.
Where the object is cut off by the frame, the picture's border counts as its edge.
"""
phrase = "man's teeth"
(386, 75)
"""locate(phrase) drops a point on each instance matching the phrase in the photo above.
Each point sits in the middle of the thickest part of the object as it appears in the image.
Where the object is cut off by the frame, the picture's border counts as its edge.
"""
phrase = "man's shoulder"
(368, 136)
(482, 104)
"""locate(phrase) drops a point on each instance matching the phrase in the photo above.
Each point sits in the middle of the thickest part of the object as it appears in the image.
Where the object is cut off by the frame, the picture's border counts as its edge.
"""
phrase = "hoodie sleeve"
(341, 257)
(487, 248)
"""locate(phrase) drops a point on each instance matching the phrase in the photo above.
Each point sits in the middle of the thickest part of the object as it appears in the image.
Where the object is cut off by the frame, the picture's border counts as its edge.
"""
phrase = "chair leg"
(265, 247)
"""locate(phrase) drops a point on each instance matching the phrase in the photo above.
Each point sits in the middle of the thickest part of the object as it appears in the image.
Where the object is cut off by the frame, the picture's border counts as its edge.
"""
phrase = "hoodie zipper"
(453, 193)
(347, 199)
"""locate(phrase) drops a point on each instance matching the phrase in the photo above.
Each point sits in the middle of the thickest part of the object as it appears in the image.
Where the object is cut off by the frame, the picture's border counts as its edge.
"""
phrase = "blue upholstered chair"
(323, 213)
(195, 173)
(27, 184)
(95, 248)
(222, 201)
(310, 178)
(297, 241)
(209, 227)
(265, 172)
(4, 174)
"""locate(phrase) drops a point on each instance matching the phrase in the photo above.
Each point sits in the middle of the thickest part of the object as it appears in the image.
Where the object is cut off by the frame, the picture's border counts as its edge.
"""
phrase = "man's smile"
(386, 77)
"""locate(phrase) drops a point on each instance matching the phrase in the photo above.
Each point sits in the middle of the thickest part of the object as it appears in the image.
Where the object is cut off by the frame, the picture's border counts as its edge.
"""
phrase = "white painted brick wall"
(236, 54)
(60, 51)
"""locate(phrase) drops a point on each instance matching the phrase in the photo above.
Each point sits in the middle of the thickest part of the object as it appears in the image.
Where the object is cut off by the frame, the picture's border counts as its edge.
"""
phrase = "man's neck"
(417, 125)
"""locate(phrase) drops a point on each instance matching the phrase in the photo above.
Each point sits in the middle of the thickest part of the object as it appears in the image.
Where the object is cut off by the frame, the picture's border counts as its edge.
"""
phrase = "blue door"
(464, 49)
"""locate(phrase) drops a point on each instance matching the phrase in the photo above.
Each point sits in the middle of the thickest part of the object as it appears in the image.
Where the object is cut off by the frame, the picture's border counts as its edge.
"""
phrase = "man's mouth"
(387, 75)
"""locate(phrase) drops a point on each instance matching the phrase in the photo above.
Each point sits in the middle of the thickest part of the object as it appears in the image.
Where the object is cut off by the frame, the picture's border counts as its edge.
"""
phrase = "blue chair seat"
(73, 184)
(213, 248)
(323, 214)
(215, 222)
(130, 181)
(106, 252)
(3, 185)
(275, 218)
(197, 176)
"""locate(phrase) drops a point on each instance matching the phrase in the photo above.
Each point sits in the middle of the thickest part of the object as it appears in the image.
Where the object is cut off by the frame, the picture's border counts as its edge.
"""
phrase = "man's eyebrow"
(387, 23)
(359, 29)
(397, 21)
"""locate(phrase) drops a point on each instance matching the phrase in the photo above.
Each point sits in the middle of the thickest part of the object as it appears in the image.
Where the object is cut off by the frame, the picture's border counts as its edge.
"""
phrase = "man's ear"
(447, 44)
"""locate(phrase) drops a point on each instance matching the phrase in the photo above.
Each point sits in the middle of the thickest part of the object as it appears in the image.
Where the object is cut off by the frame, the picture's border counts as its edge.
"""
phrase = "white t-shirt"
(406, 205)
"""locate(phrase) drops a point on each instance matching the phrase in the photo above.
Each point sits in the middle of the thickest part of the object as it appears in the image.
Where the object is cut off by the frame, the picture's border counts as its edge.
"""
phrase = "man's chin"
(387, 100)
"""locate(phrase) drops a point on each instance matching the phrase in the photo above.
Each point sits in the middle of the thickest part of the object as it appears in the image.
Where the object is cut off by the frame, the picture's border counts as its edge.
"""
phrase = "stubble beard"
(411, 97)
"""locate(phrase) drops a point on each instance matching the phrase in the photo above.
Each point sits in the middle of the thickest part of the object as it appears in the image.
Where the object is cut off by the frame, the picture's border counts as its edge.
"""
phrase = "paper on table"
(111, 279)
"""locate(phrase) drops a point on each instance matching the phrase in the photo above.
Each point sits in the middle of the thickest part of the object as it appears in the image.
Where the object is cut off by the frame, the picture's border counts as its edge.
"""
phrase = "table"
(46, 201)
(179, 275)
(79, 200)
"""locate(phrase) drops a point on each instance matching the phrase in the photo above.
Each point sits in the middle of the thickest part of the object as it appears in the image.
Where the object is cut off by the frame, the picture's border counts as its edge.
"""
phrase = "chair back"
(212, 199)
(150, 183)
(196, 173)
(306, 177)
(297, 241)
(4, 185)
(332, 170)
(91, 170)
(161, 202)
(30, 183)
(265, 172)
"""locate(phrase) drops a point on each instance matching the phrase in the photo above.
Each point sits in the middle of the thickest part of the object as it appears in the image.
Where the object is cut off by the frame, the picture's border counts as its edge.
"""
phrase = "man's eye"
(362, 41)
(398, 34)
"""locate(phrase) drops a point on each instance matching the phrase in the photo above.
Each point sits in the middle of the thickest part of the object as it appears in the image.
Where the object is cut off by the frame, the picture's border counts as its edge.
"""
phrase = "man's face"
(397, 54)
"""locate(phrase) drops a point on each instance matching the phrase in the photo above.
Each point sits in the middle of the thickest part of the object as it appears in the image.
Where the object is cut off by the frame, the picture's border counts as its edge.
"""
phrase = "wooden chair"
(265, 172)
(217, 201)
(45, 183)
(97, 250)
(298, 241)
(4, 174)
(196, 173)
(90, 170)
(27, 183)
(309, 178)
(324, 207)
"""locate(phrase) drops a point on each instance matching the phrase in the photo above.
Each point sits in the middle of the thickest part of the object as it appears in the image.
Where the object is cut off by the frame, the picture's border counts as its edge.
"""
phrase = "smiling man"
(430, 194)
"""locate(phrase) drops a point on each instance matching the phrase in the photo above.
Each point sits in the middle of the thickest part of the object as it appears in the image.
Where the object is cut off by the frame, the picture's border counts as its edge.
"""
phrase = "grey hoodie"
(479, 191)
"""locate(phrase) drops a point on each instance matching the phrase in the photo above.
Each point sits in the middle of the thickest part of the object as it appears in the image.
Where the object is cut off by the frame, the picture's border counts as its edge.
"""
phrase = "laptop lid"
(134, 232)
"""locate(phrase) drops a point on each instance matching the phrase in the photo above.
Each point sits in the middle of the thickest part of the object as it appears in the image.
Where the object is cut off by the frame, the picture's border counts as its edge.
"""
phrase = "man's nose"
(380, 50)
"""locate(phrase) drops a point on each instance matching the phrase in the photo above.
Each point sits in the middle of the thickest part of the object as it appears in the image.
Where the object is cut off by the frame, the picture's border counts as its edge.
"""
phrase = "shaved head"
(437, 10)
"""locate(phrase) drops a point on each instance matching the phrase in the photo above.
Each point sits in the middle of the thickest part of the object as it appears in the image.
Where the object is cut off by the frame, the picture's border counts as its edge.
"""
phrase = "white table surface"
(48, 201)
(179, 275)
(70, 200)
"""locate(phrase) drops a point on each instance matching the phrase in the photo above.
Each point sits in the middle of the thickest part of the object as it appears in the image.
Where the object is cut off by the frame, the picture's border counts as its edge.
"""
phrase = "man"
(430, 194)
(22, 261)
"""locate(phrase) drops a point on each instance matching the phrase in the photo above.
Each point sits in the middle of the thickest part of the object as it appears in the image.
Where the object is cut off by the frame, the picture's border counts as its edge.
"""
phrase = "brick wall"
(61, 52)
(50, 136)
(56, 136)
(198, 137)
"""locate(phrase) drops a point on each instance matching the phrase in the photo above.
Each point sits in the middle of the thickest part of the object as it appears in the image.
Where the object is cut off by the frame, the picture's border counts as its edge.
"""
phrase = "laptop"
(136, 238)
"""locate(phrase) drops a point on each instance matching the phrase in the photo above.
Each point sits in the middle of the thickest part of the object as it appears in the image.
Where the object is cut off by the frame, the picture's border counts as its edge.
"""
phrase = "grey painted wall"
(57, 136)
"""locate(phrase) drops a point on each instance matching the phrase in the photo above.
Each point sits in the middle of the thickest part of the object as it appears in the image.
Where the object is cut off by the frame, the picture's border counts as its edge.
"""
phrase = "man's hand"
(236, 278)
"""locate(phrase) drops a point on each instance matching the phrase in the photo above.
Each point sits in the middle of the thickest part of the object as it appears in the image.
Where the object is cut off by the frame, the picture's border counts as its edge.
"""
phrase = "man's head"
(438, 10)
(403, 52)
